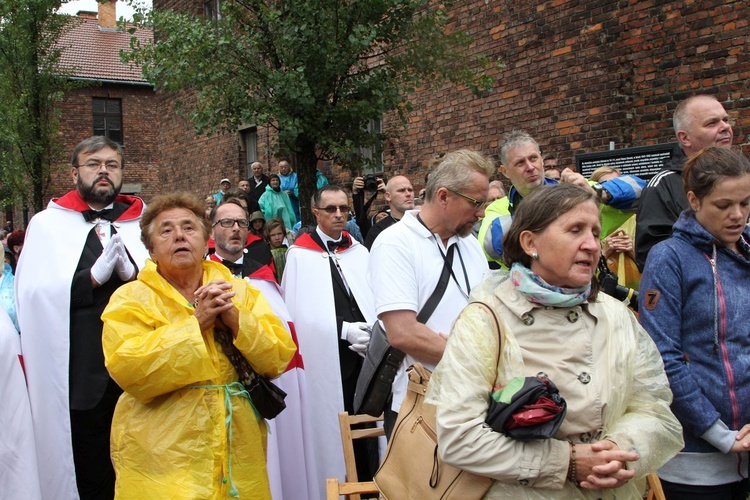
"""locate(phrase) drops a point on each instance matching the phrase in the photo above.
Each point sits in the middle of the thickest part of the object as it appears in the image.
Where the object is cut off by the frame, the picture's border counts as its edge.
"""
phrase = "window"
(375, 154)
(250, 143)
(108, 118)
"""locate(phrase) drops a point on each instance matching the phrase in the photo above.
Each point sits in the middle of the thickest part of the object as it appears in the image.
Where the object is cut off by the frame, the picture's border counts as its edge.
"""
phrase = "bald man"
(399, 194)
(699, 121)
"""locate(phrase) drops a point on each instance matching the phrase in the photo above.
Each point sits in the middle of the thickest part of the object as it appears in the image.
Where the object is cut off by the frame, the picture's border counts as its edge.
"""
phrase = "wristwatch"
(601, 194)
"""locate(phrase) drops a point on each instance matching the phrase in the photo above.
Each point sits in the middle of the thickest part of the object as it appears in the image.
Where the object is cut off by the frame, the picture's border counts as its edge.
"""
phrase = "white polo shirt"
(405, 266)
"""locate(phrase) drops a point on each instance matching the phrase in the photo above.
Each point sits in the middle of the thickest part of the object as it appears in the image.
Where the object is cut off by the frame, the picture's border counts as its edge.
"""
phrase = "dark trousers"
(90, 430)
(730, 491)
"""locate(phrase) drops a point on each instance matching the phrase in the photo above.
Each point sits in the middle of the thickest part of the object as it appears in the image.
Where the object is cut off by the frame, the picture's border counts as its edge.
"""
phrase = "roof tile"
(94, 53)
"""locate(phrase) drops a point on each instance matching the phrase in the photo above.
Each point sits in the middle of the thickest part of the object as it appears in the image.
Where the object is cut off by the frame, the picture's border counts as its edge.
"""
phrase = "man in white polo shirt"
(407, 260)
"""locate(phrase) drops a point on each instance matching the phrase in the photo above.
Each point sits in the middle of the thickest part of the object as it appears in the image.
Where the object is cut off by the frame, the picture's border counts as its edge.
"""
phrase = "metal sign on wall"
(643, 161)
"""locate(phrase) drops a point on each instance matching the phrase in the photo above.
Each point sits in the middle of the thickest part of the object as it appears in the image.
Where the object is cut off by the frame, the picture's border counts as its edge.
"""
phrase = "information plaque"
(643, 161)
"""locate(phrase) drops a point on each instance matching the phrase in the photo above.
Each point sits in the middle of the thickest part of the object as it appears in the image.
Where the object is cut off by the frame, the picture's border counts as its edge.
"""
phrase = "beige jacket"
(605, 366)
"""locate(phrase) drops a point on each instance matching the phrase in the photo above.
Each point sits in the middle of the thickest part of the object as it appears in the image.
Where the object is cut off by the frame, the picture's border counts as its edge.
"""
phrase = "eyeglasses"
(96, 165)
(227, 223)
(331, 209)
(477, 203)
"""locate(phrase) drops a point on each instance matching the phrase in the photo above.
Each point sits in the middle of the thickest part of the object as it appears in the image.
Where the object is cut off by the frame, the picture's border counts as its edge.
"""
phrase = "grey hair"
(513, 139)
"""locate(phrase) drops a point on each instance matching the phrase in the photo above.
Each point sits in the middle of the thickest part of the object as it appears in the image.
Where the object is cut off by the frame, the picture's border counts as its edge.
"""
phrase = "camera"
(609, 285)
(371, 182)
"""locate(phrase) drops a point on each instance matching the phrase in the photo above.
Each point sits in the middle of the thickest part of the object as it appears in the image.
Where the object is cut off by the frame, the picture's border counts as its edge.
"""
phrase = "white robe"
(52, 249)
(308, 293)
(290, 456)
(19, 477)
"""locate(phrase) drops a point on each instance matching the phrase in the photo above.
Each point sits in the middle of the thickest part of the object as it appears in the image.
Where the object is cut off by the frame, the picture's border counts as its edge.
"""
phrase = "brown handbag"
(412, 467)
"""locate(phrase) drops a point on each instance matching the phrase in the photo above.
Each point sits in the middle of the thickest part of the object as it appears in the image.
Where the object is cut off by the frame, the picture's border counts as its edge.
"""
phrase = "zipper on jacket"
(720, 326)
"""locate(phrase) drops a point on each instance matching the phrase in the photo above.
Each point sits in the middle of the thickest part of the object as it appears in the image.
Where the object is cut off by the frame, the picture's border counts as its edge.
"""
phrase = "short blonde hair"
(454, 171)
(600, 172)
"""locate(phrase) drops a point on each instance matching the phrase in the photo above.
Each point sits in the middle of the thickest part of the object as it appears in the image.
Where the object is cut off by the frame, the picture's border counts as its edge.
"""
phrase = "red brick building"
(114, 100)
(576, 75)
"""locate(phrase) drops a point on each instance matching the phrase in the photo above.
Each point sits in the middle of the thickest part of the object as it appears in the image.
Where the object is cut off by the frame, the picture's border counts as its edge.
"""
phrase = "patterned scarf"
(538, 291)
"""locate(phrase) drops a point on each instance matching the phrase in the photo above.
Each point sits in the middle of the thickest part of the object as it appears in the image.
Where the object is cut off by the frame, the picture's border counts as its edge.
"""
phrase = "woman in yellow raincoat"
(185, 427)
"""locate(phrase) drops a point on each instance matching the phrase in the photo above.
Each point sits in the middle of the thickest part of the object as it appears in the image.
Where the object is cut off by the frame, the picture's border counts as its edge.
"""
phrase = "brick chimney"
(107, 14)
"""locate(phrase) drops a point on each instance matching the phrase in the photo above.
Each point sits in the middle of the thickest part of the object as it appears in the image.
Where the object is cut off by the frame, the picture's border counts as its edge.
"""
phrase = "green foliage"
(316, 70)
(30, 82)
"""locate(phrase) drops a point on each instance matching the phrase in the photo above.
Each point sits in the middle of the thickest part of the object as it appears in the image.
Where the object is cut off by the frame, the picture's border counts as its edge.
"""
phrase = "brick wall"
(581, 74)
(577, 75)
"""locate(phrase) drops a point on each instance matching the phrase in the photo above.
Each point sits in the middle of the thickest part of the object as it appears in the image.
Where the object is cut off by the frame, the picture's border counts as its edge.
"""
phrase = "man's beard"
(228, 246)
(464, 230)
(98, 195)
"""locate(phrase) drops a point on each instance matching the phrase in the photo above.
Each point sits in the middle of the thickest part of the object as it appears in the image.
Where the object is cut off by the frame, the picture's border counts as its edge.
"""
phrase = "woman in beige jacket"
(618, 426)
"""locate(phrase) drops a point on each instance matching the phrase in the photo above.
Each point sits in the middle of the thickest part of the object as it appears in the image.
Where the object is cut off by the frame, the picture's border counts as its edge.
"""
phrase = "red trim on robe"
(72, 200)
(306, 241)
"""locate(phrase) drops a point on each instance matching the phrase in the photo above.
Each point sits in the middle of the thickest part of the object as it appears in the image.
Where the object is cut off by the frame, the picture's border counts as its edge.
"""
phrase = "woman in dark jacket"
(694, 302)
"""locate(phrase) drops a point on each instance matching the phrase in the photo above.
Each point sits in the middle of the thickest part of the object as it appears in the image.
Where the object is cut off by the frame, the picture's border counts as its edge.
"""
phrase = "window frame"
(107, 115)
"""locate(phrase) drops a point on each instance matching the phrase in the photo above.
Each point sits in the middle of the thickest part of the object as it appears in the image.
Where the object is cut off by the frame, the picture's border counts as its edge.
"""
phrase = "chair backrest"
(334, 489)
(655, 491)
(348, 435)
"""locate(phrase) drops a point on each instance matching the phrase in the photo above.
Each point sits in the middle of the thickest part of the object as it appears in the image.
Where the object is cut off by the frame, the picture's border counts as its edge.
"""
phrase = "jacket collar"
(515, 198)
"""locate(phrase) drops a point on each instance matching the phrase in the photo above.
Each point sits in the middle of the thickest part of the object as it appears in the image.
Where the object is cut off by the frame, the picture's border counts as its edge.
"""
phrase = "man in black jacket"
(699, 121)
(77, 252)
(258, 183)
(399, 194)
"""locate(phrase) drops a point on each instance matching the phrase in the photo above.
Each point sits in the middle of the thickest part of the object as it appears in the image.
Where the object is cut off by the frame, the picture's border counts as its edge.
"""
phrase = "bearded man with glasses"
(76, 254)
(331, 304)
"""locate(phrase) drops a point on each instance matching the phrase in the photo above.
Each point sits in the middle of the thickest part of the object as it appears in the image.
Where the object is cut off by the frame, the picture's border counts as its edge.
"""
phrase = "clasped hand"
(616, 243)
(114, 257)
(213, 303)
(603, 465)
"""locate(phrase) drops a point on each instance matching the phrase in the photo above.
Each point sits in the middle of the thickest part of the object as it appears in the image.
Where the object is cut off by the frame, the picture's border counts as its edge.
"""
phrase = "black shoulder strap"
(442, 285)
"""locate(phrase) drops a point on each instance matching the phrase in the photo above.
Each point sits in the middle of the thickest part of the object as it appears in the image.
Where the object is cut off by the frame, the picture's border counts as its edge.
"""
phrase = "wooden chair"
(351, 488)
(334, 489)
(655, 491)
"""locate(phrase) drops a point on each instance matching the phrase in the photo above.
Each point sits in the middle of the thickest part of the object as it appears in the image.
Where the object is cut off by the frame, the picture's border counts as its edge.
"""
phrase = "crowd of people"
(141, 339)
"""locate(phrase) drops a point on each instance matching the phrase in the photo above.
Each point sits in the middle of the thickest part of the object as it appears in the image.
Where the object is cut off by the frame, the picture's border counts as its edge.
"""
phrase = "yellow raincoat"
(179, 417)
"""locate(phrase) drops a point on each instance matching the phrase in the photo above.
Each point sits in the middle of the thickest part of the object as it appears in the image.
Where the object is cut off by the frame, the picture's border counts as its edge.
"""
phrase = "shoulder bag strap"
(499, 331)
(439, 291)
